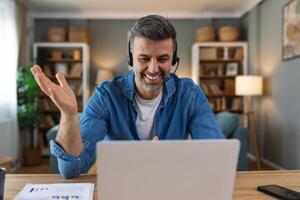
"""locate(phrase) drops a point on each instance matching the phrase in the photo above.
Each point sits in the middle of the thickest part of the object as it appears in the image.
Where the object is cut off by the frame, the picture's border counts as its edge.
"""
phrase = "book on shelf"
(76, 70)
(78, 90)
(237, 104)
(220, 70)
(229, 87)
(211, 69)
(211, 88)
(47, 71)
(223, 103)
(231, 52)
(218, 104)
(214, 89)
(238, 54)
(204, 88)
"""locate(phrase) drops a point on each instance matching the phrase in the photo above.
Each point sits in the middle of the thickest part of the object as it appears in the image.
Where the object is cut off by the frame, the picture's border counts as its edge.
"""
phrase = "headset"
(175, 58)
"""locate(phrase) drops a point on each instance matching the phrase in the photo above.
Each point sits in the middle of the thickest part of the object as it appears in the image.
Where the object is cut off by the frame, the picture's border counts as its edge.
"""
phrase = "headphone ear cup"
(129, 57)
(175, 58)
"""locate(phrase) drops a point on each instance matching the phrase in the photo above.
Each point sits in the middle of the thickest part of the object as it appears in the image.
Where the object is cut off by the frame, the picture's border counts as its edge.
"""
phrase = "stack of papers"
(66, 191)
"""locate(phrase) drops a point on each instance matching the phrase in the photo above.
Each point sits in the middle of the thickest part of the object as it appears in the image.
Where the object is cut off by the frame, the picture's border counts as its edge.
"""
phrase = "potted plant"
(27, 91)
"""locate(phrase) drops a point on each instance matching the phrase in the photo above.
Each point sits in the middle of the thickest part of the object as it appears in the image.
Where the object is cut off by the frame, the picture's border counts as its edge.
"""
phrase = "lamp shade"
(248, 85)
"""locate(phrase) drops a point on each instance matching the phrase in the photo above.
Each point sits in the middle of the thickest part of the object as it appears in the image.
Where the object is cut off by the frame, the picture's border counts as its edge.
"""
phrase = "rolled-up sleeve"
(72, 166)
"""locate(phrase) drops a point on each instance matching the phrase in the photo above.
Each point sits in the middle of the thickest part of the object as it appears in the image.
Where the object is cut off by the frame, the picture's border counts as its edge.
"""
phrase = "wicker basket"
(56, 34)
(205, 34)
(78, 34)
(228, 33)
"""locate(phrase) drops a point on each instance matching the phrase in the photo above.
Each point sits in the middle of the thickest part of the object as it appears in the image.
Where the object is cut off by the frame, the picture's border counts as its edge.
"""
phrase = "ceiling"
(136, 8)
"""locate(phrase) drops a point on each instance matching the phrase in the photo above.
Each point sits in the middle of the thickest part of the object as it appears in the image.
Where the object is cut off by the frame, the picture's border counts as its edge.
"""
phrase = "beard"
(150, 88)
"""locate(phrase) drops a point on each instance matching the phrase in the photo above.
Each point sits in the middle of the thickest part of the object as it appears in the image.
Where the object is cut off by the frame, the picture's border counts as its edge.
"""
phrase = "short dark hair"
(153, 27)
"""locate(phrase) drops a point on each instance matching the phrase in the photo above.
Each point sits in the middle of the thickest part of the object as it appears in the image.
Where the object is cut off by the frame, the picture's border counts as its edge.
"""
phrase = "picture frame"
(291, 30)
(232, 69)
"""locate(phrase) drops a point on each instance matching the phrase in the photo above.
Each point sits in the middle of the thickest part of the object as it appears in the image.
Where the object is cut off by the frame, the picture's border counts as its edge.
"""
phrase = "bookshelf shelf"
(67, 78)
(63, 61)
(44, 96)
(219, 60)
(214, 77)
(221, 95)
(230, 110)
(214, 68)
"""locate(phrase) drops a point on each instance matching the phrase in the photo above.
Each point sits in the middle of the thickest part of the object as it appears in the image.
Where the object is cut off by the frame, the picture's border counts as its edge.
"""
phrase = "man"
(146, 103)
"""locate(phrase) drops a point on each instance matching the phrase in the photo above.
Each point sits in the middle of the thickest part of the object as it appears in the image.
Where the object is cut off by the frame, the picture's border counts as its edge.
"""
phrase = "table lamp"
(250, 86)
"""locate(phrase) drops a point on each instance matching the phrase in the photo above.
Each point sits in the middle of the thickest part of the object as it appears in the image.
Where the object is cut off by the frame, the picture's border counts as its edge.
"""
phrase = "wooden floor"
(43, 168)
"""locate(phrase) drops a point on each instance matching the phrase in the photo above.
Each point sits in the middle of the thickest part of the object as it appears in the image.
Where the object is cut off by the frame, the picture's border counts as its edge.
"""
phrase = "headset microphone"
(177, 64)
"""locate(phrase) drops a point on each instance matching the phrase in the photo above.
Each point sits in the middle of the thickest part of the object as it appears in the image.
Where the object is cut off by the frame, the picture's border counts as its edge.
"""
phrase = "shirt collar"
(129, 87)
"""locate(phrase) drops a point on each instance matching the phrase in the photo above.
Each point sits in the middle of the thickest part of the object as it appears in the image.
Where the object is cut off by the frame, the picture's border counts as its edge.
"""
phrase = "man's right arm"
(68, 135)
(93, 128)
(73, 155)
(68, 146)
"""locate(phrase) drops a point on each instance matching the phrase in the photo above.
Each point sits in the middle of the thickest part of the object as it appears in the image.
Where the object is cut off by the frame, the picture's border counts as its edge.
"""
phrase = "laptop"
(167, 170)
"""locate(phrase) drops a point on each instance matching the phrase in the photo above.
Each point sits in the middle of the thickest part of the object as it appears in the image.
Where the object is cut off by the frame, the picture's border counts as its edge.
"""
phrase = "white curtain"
(9, 137)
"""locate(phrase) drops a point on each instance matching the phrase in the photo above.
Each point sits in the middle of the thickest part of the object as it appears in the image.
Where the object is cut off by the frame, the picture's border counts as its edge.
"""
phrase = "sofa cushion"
(227, 122)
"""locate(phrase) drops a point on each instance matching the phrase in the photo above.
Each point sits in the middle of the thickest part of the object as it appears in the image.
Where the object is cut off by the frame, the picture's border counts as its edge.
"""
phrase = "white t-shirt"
(146, 110)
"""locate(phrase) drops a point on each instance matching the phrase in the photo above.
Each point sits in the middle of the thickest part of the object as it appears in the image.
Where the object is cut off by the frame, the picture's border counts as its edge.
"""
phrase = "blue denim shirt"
(110, 114)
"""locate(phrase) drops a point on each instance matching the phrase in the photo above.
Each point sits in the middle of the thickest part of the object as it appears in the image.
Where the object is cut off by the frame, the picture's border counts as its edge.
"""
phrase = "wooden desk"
(245, 185)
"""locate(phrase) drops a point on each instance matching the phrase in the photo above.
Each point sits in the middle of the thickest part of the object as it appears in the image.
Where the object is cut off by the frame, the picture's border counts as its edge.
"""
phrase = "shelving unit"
(71, 59)
(214, 68)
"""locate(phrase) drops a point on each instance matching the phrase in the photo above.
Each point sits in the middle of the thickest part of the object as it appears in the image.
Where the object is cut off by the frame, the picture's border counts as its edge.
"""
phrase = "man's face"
(151, 63)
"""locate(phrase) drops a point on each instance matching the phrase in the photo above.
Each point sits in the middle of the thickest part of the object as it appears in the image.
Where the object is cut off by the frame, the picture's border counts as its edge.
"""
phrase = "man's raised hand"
(62, 95)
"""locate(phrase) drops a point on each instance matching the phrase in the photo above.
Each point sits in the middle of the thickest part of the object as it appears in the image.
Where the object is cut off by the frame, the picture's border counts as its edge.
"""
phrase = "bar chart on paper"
(66, 191)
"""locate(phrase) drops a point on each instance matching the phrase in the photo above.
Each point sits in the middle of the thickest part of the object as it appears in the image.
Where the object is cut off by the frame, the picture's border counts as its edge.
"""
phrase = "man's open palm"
(62, 95)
